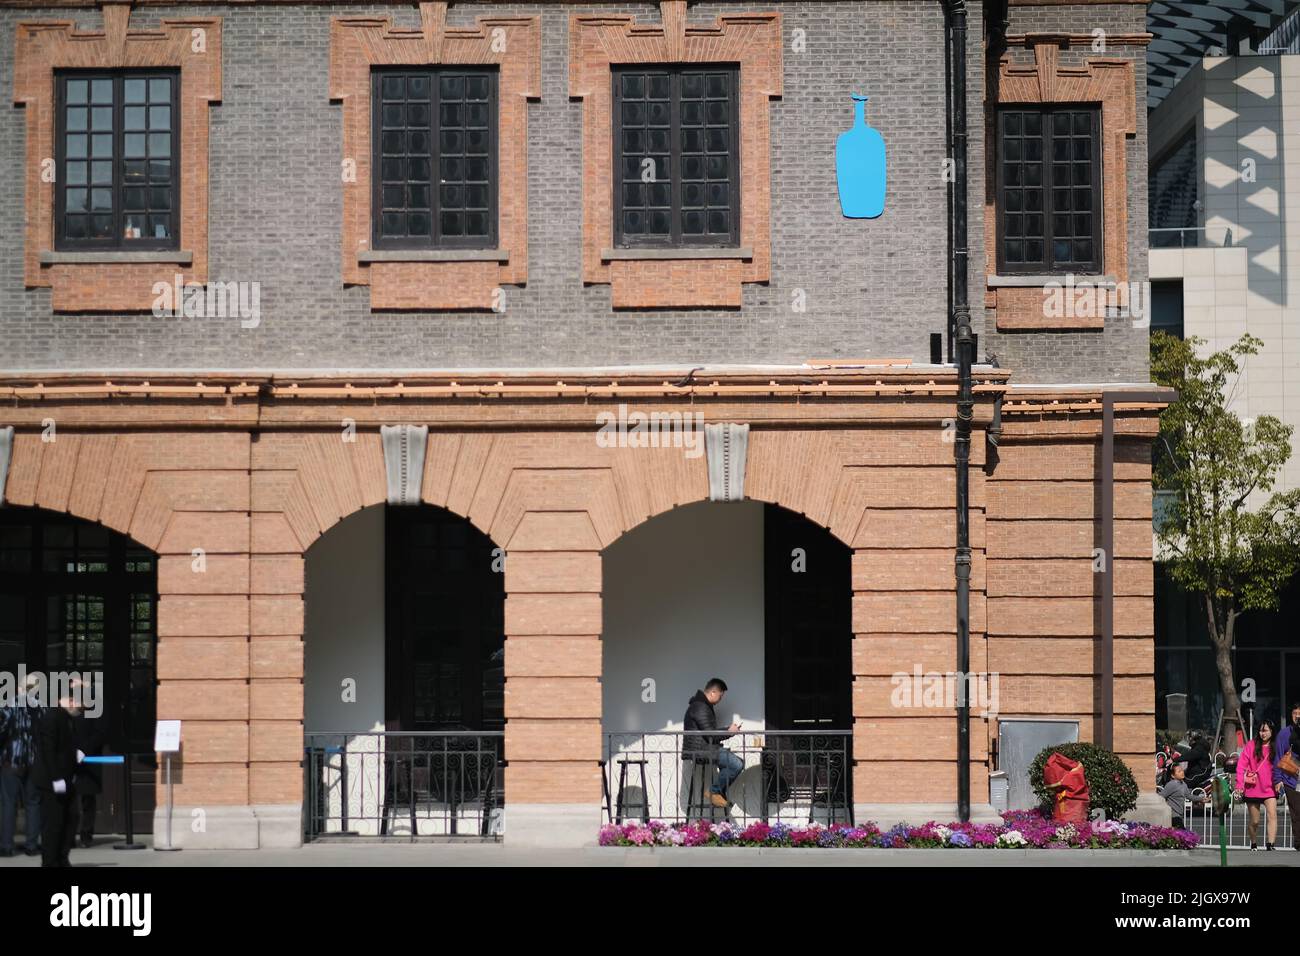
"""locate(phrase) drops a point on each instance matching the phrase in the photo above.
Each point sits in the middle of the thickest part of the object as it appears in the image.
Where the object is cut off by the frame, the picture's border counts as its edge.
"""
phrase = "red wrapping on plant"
(1065, 777)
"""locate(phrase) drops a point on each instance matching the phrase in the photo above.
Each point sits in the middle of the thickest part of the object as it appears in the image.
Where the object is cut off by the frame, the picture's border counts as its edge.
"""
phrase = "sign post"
(167, 741)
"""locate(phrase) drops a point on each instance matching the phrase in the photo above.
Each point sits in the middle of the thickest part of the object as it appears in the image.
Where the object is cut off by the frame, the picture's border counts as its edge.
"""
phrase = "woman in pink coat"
(1255, 783)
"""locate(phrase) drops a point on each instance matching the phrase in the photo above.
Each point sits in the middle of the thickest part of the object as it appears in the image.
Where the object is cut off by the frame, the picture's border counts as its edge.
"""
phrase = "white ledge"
(49, 258)
(1038, 281)
(697, 252)
(433, 255)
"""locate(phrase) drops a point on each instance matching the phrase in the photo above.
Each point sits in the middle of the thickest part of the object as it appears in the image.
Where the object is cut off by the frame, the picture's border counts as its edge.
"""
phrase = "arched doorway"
(404, 677)
(76, 596)
(760, 597)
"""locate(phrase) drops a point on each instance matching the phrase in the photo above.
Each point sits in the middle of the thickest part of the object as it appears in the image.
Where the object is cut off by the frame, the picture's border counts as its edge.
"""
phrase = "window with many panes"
(677, 156)
(1049, 190)
(435, 156)
(118, 169)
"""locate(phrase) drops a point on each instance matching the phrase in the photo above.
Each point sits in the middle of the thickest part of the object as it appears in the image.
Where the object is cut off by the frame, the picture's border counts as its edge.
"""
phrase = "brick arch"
(141, 485)
(497, 480)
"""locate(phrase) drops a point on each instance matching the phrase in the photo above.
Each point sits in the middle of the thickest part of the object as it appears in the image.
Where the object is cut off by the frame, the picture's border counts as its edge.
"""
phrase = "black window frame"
(115, 242)
(675, 239)
(435, 240)
(1049, 265)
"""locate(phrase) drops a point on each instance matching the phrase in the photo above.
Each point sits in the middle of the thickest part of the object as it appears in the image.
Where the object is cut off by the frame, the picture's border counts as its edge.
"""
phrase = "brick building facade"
(227, 446)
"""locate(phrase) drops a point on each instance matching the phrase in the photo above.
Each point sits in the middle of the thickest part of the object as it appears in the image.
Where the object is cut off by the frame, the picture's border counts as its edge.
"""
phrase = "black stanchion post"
(130, 843)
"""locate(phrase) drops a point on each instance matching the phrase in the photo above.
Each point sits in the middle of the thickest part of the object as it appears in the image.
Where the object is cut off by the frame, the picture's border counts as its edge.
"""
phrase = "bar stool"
(707, 766)
(604, 791)
(622, 784)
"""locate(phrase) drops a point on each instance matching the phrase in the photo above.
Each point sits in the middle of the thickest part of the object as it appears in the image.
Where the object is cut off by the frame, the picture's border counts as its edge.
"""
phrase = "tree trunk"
(1221, 621)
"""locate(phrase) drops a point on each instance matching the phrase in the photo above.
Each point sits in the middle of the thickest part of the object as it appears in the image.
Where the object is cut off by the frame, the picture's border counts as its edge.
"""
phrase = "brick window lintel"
(441, 281)
(752, 40)
(1108, 81)
(190, 44)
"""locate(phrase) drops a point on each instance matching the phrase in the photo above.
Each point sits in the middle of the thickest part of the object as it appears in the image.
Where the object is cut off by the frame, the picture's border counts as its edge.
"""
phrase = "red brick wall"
(180, 474)
(1044, 596)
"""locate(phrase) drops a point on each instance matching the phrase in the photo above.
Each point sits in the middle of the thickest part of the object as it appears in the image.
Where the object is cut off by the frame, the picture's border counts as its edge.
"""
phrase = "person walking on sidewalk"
(1287, 783)
(1255, 783)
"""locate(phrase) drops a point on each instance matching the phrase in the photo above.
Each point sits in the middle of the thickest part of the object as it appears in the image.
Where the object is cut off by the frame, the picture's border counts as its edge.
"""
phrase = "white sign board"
(167, 737)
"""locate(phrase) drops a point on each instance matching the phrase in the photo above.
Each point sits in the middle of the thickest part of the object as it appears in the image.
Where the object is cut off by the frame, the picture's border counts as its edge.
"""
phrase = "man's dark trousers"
(18, 785)
(59, 815)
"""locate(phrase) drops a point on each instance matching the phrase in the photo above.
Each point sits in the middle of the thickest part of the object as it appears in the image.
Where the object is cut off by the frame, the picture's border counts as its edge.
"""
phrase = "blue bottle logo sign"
(860, 166)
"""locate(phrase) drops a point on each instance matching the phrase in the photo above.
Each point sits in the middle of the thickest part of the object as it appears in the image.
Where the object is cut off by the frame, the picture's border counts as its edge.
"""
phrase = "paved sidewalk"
(495, 855)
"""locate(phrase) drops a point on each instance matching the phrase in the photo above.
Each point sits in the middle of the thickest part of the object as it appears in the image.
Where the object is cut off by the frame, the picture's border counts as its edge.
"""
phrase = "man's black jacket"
(56, 748)
(700, 716)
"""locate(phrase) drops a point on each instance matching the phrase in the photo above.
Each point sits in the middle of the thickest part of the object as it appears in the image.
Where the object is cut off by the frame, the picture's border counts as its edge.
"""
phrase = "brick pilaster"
(553, 660)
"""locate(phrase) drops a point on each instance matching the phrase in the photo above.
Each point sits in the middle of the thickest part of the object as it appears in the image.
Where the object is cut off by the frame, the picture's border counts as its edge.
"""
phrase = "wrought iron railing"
(791, 776)
(1200, 818)
(404, 785)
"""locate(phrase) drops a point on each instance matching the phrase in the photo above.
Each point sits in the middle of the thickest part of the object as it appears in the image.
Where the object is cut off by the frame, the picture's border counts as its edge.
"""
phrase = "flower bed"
(1019, 829)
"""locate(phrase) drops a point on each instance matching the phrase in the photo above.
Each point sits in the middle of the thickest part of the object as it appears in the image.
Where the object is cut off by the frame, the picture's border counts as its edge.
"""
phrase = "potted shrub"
(1110, 782)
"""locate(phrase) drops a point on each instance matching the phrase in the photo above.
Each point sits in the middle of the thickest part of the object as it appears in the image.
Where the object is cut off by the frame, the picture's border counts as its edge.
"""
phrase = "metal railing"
(1189, 237)
(1200, 818)
(791, 776)
(402, 785)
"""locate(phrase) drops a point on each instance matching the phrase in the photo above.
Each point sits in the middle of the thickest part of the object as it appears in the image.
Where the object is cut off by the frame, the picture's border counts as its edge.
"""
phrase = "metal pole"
(955, 11)
(167, 776)
(1105, 732)
(130, 843)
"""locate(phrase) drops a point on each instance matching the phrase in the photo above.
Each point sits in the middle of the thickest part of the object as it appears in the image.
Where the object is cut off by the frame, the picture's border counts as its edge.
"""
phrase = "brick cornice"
(357, 45)
(191, 44)
(753, 40)
(1066, 40)
(878, 396)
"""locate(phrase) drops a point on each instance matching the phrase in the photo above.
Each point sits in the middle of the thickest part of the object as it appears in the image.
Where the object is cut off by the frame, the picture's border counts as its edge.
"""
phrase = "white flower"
(1012, 838)
(945, 833)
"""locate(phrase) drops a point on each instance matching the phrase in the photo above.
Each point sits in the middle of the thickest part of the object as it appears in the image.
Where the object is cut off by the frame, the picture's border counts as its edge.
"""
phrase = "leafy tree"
(1225, 534)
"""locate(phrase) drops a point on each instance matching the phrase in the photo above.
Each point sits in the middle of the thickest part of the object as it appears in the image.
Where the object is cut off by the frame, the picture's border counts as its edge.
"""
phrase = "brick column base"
(552, 824)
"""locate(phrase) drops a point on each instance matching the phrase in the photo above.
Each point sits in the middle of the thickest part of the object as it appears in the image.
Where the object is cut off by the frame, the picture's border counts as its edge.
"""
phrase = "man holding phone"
(703, 739)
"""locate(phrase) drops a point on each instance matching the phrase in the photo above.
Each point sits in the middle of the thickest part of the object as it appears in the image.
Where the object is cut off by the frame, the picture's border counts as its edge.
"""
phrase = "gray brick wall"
(873, 288)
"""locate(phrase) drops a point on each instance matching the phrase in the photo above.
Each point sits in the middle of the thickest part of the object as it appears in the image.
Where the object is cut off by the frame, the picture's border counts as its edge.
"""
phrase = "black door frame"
(124, 732)
(476, 593)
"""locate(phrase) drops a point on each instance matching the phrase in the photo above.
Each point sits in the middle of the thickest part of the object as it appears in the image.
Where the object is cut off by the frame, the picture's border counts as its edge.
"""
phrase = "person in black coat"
(706, 741)
(1197, 757)
(90, 741)
(55, 775)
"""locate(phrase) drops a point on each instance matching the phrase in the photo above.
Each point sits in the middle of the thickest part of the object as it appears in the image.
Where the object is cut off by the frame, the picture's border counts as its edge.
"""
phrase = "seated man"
(707, 740)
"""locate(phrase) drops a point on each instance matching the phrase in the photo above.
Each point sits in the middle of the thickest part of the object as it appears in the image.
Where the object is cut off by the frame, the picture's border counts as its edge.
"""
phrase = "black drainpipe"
(955, 23)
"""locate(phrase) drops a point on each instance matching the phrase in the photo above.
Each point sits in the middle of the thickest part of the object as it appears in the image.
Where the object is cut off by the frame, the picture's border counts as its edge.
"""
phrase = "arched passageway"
(755, 595)
(79, 598)
(404, 676)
